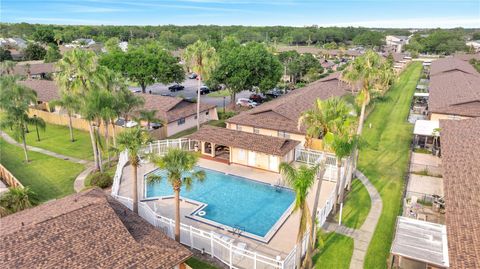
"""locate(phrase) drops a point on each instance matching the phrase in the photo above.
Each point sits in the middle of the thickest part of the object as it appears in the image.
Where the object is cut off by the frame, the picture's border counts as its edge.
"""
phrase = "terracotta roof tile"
(461, 174)
(282, 113)
(244, 140)
(85, 230)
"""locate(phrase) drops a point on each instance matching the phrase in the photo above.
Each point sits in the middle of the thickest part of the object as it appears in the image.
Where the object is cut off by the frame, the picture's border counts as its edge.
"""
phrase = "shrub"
(102, 180)
(226, 115)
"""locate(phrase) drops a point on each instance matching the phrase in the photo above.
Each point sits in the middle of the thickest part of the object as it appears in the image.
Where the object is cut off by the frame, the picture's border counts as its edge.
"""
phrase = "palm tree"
(201, 58)
(320, 120)
(149, 116)
(373, 75)
(38, 122)
(301, 179)
(15, 100)
(341, 140)
(132, 140)
(77, 76)
(17, 199)
(68, 102)
(179, 165)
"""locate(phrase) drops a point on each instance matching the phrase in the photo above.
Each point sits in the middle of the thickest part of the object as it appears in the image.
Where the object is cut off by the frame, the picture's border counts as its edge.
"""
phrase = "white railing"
(312, 157)
(122, 161)
(323, 212)
(160, 147)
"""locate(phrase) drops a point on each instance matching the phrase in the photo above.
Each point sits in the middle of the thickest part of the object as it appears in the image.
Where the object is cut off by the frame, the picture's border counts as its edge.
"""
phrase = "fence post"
(231, 255)
(151, 147)
(191, 237)
(211, 244)
(158, 146)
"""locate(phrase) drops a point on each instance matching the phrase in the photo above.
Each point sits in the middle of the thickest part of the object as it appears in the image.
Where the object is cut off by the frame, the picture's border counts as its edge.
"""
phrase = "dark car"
(176, 87)
(204, 90)
(273, 93)
(257, 98)
(192, 76)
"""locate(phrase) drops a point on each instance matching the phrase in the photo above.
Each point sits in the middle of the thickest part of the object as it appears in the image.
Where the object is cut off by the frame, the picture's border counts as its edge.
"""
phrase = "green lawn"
(356, 207)
(56, 138)
(198, 264)
(48, 177)
(337, 252)
(384, 161)
(221, 93)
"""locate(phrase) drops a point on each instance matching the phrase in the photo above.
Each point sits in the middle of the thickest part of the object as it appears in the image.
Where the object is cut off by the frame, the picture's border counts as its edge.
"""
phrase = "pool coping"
(192, 215)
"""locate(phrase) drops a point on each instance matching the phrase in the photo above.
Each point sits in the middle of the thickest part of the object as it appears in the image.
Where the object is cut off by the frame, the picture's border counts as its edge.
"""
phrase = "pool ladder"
(237, 229)
(280, 184)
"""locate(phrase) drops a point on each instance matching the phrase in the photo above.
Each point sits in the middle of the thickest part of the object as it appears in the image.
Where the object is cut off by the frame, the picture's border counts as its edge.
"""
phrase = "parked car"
(176, 87)
(246, 102)
(257, 98)
(204, 90)
(192, 76)
(273, 93)
(136, 90)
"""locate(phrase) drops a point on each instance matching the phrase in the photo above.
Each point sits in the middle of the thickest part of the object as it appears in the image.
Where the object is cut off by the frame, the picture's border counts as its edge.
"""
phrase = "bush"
(226, 115)
(101, 180)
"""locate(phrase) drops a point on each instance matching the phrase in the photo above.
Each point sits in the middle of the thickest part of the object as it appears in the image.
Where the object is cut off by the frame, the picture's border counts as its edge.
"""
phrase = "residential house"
(13, 42)
(177, 113)
(85, 230)
(81, 42)
(268, 134)
(454, 90)
(474, 45)
(394, 43)
(400, 60)
(35, 70)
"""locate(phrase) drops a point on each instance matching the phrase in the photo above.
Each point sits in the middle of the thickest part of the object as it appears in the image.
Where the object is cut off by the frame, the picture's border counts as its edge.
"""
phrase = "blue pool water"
(233, 201)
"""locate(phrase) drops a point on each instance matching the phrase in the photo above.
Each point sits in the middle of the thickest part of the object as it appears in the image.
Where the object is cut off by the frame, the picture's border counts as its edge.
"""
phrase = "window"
(283, 134)
(256, 130)
(239, 128)
(195, 117)
(181, 121)
(206, 113)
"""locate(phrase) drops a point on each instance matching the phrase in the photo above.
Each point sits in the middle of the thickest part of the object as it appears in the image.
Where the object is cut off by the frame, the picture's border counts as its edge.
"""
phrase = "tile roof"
(454, 88)
(244, 140)
(461, 175)
(282, 113)
(85, 230)
(171, 109)
(467, 57)
(35, 69)
(46, 90)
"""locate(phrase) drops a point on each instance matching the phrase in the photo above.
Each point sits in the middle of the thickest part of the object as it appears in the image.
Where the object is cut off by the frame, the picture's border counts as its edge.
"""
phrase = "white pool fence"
(233, 254)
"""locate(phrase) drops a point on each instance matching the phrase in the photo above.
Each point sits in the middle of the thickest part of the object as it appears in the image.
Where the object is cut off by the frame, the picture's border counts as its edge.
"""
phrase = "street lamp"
(224, 104)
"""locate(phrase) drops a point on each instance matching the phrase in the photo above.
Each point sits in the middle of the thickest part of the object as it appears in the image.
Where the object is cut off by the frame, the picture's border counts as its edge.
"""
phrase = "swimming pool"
(234, 201)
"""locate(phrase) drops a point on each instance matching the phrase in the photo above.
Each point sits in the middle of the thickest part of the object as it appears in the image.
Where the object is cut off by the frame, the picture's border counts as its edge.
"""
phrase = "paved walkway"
(362, 236)
(79, 183)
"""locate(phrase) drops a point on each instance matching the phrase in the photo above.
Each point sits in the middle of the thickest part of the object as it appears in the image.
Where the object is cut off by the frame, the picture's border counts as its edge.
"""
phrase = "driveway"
(190, 91)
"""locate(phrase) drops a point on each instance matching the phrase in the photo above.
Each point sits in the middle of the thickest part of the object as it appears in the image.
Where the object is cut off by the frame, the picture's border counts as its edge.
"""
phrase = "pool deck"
(280, 244)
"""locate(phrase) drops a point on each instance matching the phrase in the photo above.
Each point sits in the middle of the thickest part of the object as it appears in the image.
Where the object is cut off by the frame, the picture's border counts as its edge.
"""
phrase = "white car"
(246, 102)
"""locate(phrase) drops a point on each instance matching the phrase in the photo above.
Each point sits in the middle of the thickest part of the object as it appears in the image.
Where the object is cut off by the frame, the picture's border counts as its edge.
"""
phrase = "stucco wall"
(190, 122)
(262, 160)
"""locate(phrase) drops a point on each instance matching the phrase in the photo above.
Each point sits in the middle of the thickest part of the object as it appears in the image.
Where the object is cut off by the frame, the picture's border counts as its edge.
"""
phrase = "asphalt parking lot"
(190, 91)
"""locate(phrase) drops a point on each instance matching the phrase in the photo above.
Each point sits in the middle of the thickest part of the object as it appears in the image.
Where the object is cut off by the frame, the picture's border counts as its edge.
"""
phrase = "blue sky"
(368, 13)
